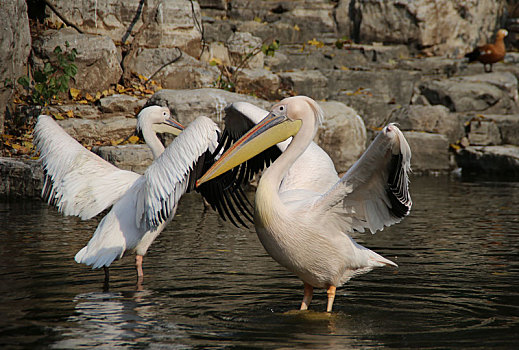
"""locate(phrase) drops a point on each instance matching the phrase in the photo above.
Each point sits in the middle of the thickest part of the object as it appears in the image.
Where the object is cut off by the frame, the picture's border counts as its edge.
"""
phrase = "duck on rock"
(490, 53)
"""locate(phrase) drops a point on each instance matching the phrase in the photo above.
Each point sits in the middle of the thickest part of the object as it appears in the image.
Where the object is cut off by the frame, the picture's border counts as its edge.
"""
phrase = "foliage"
(52, 79)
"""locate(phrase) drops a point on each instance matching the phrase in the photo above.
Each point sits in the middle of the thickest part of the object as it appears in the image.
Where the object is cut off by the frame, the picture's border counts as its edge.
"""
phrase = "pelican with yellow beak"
(306, 228)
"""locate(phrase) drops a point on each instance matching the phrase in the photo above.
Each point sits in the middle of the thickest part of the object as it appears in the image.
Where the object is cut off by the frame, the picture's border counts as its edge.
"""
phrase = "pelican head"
(159, 120)
(284, 120)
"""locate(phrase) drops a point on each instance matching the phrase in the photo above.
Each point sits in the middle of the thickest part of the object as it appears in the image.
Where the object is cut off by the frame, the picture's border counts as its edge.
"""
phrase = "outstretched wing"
(225, 193)
(76, 180)
(168, 178)
(374, 193)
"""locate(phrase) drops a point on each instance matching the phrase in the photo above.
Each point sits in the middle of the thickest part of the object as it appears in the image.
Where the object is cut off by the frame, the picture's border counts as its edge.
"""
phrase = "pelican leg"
(307, 298)
(331, 297)
(138, 266)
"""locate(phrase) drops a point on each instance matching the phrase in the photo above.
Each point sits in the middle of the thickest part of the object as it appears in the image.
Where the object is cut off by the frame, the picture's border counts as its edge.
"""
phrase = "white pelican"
(305, 227)
(81, 183)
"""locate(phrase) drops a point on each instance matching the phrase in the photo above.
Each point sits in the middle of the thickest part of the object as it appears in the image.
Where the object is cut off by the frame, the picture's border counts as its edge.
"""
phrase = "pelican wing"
(374, 193)
(76, 180)
(167, 179)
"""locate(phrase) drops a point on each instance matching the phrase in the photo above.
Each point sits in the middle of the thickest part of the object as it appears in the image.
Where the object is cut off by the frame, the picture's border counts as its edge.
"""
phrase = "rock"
(171, 23)
(342, 134)
(121, 103)
(240, 46)
(306, 82)
(135, 158)
(314, 18)
(439, 65)
(433, 119)
(20, 178)
(187, 105)
(501, 161)
(186, 73)
(15, 46)
(429, 152)
(483, 133)
(426, 24)
(216, 52)
(97, 59)
(261, 82)
(491, 93)
(508, 127)
(90, 132)
(78, 111)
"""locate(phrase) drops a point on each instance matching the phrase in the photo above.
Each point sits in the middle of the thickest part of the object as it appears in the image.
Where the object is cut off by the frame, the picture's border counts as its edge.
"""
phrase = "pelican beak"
(268, 132)
(170, 126)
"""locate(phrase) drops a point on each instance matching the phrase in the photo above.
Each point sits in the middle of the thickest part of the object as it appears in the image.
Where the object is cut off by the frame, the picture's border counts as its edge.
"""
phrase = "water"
(209, 285)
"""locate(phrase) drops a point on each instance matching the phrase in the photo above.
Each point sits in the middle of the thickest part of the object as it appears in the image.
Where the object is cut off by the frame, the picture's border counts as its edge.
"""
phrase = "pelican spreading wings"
(304, 221)
(81, 183)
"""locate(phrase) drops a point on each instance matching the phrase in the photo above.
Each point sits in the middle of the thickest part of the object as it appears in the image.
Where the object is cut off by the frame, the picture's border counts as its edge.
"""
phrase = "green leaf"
(57, 50)
(48, 69)
(24, 81)
(39, 76)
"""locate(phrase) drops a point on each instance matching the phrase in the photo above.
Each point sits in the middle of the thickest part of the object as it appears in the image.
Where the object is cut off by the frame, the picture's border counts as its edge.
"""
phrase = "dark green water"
(210, 285)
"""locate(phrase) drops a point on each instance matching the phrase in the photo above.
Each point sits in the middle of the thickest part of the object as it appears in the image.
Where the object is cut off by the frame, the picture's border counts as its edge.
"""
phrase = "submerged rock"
(499, 161)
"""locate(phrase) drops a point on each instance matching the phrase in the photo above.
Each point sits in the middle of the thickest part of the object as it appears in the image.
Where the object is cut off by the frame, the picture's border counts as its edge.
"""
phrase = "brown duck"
(490, 53)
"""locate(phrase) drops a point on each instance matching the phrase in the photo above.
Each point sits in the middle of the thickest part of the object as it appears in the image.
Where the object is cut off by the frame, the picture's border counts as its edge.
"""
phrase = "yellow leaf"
(316, 43)
(58, 116)
(133, 139)
(89, 97)
(83, 102)
(74, 93)
(296, 28)
(142, 77)
(119, 88)
(257, 19)
(116, 142)
(344, 68)
(148, 91)
(105, 93)
(215, 61)
(70, 113)
(98, 95)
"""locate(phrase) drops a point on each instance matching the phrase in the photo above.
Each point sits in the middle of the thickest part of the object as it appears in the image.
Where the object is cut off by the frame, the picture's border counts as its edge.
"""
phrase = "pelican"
(305, 227)
(81, 183)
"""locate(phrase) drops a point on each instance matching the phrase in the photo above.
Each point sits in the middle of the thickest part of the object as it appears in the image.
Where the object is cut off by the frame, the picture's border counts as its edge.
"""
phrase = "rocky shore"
(406, 69)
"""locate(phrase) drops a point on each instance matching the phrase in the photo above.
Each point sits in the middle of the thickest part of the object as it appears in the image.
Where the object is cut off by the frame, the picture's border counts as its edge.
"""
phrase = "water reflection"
(208, 284)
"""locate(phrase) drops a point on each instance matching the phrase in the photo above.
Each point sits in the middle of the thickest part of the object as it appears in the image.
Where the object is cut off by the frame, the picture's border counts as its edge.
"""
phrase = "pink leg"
(307, 298)
(138, 265)
(331, 297)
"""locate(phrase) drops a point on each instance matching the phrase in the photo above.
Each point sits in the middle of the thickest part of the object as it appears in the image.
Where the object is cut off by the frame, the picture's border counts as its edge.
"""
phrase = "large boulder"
(15, 46)
(97, 59)
(441, 27)
(499, 161)
(342, 134)
(99, 131)
(167, 23)
(489, 93)
(135, 158)
(306, 82)
(430, 152)
(20, 178)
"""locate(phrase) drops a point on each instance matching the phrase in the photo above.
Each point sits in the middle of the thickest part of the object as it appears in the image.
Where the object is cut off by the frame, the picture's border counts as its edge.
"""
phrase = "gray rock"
(91, 132)
(187, 105)
(15, 46)
(491, 93)
(169, 23)
(500, 161)
(433, 119)
(261, 82)
(186, 73)
(430, 152)
(135, 158)
(121, 103)
(97, 59)
(240, 46)
(508, 127)
(79, 111)
(483, 133)
(438, 66)
(20, 178)
(427, 24)
(342, 134)
(306, 82)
